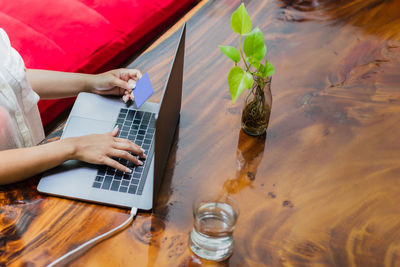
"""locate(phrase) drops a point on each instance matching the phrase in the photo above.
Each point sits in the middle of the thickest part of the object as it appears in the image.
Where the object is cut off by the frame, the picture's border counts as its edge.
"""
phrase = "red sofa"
(87, 36)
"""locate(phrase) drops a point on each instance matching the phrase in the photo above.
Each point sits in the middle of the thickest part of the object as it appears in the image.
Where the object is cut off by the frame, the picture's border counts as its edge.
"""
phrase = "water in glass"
(211, 237)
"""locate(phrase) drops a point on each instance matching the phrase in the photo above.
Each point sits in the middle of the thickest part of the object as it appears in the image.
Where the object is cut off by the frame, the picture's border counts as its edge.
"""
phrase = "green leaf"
(230, 52)
(254, 45)
(269, 69)
(238, 80)
(240, 20)
(254, 62)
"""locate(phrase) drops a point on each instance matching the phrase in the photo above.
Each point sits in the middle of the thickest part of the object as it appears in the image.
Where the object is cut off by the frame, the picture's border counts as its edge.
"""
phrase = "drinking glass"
(214, 221)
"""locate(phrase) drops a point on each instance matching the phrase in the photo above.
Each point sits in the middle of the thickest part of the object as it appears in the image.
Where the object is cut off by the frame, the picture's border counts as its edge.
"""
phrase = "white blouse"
(20, 123)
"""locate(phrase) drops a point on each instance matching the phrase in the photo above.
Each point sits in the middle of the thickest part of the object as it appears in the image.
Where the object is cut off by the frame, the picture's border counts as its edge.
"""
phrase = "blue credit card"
(143, 90)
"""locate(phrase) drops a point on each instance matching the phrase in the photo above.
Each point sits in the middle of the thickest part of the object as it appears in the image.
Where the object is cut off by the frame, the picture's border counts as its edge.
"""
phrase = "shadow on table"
(149, 227)
(249, 153)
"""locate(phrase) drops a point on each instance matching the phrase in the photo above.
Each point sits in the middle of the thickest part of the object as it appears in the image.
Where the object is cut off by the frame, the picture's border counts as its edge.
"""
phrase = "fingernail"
(125, 98)
(142, 150)
(132, 83)
(140, 163)
(128, 170)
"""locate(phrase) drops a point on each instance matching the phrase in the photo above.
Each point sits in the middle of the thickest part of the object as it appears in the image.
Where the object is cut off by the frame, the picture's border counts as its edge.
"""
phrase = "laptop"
(152, 126)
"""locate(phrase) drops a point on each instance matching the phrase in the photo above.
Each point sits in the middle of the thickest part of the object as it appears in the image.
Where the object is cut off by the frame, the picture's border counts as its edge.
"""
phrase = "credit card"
(143, 90)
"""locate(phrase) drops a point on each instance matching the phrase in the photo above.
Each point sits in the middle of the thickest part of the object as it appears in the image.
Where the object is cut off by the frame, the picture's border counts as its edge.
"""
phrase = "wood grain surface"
(321, 188)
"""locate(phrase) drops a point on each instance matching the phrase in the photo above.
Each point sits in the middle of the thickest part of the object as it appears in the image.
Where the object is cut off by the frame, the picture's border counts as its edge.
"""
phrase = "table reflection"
(249, 153)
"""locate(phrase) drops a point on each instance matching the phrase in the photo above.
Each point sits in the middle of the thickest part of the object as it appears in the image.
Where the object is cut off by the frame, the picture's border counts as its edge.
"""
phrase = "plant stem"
(241, 53)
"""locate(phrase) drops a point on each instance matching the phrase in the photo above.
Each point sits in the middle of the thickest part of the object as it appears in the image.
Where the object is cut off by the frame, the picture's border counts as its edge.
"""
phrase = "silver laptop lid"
(168, 115)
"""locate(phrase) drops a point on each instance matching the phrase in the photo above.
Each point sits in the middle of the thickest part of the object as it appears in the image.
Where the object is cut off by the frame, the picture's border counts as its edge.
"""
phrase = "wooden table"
(321, 189)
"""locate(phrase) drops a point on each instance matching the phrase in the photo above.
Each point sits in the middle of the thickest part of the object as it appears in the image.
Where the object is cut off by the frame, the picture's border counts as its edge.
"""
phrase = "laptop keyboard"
(139, 127)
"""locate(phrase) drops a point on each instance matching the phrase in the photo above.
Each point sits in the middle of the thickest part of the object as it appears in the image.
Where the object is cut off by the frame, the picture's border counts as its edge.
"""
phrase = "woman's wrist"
(89, 83)
(69, 147)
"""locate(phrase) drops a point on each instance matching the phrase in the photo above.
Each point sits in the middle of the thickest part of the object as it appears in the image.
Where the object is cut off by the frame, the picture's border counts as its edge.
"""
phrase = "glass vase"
(257, 107)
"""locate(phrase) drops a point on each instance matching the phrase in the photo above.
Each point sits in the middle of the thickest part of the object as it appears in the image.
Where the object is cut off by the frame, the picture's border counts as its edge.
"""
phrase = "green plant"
(252, 52)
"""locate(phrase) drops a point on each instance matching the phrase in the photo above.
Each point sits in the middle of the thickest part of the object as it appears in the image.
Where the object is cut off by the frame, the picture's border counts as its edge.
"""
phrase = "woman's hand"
(116, 82)
(101, 148)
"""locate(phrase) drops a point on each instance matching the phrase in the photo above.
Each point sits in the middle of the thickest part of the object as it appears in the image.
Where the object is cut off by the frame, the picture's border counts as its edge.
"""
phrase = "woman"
(21, 128)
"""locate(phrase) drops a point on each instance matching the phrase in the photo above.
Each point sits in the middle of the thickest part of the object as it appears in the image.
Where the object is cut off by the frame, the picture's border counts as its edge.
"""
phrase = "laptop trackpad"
(78, 126)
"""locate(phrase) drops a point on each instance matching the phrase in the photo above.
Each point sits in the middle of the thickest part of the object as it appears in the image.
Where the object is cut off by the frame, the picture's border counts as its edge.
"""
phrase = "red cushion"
(83, 35)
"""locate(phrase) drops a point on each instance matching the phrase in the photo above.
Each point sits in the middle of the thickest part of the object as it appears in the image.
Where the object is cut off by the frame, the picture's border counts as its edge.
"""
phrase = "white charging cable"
(91, 243)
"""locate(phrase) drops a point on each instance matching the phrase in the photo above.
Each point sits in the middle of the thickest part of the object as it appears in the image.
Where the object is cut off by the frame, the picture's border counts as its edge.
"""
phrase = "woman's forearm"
(54, 84)
(21, 163)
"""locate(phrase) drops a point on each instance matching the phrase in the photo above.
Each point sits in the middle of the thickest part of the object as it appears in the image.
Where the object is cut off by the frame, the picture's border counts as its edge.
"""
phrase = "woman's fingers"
(126, 80)
(125, 98)
(116, 165)
(132, 83)
(127, 74)
(125, 155)
(125, 144)
(121, 83)
(115, 131)
(120, 148)
(115, 82)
